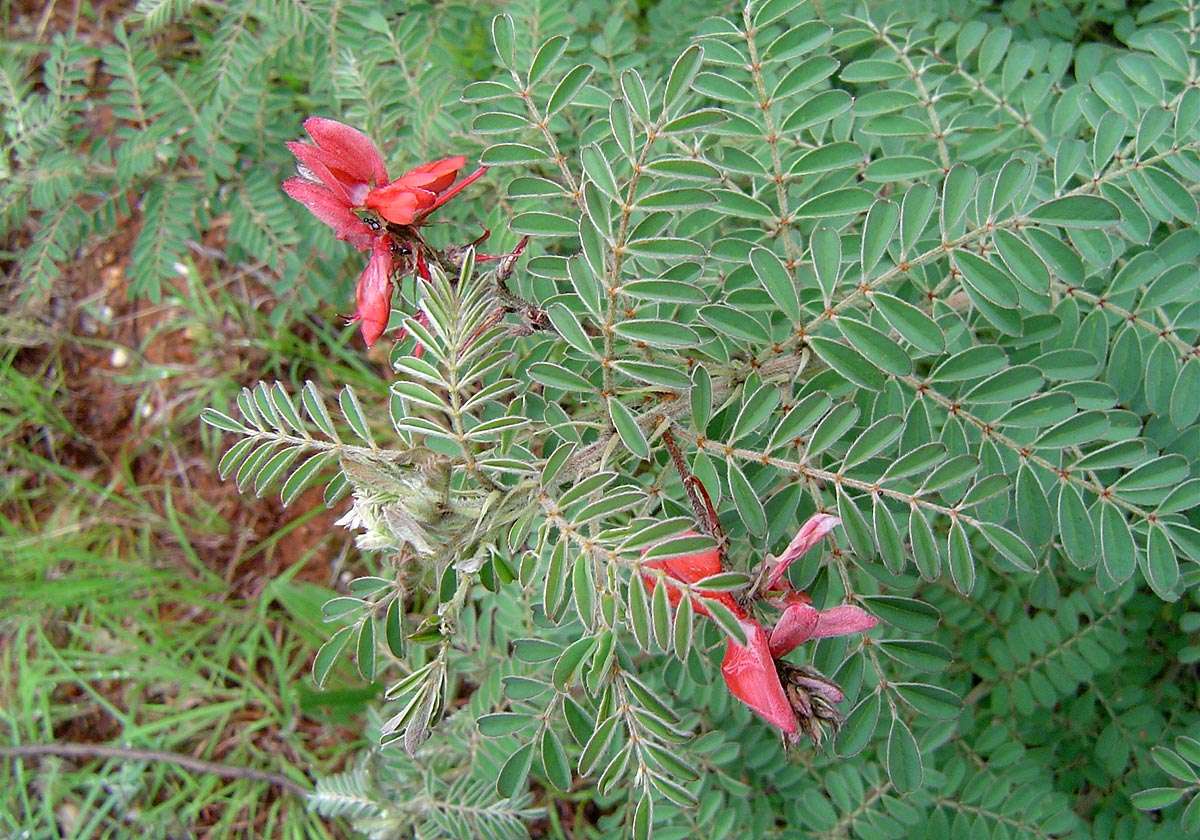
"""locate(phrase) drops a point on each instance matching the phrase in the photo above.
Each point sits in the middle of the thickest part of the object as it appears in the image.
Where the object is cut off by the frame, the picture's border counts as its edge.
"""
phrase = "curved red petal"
(751, 676)
(374, 292)
(422, 267)
(801, 622)
(331, 210)
(810, 533)
(794, 628)
(436, 175)
(398, 203)
(312, 159)
(354, 152)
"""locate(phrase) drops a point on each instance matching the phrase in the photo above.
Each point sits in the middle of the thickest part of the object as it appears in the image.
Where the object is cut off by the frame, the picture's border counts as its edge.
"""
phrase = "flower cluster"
(343, 181)
(796, 699)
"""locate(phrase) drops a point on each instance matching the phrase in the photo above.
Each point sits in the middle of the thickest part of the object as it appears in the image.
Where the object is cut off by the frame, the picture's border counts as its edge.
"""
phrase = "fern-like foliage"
(929, 267)
(443, 791)
(931, 278)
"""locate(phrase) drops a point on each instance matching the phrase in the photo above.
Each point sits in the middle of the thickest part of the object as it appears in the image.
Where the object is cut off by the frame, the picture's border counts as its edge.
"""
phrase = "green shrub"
(922, 271)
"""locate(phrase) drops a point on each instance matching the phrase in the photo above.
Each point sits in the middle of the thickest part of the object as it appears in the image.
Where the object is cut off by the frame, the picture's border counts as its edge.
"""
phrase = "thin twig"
(187, 762)
(685, 476)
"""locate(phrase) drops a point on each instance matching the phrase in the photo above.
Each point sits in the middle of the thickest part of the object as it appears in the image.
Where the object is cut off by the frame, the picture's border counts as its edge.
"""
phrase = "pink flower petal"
(751, 677)
(801, 622)
(810, 533)
(331, 210)
(843, 621)
(354, 152)
(794, 628)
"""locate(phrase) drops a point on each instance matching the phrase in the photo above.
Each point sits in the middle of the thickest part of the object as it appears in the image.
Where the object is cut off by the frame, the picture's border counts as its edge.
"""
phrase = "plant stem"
(685, 476)
(197, 765)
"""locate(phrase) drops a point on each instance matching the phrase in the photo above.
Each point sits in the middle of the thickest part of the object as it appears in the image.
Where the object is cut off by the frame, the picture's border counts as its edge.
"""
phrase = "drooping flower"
(793, 698)
(691, 568)
(750, 674)
(341, 175)
(811, 532)
(374, 292)
(421, 190)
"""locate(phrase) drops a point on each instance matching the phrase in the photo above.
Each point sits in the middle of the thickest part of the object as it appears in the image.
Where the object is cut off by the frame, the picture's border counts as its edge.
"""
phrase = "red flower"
(420, 191)
(794, 699)
(691, 568)
(374, 292)
(341, 173)
(337, 171)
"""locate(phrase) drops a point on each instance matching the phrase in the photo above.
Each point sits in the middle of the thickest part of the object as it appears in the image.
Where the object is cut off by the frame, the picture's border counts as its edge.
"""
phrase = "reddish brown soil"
(41, 20)
(108, 432)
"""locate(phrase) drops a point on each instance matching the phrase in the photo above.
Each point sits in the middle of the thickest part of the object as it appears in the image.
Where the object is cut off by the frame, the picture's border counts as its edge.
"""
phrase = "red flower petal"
(752, 678)
(691, 568)
(810, 533)
(801, 622)
(315, 161)
(422, 267)
(398, 203)
(352, 150)
(374, 292)
(331, 210)
(434, 176)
